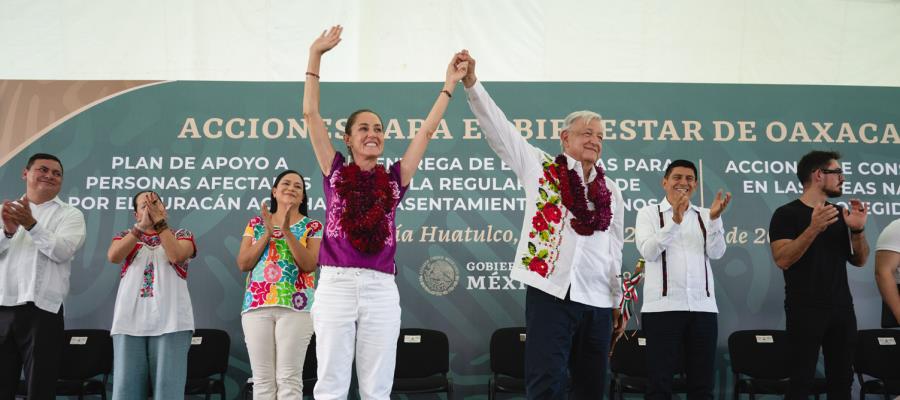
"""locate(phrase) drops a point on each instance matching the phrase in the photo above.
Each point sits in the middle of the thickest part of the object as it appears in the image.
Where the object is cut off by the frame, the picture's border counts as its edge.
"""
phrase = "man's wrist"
(9, 235)
(30, 227)
(857, 231)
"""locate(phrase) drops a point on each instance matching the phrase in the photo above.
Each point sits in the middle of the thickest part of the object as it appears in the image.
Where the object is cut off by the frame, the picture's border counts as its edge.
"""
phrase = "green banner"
(212, 149)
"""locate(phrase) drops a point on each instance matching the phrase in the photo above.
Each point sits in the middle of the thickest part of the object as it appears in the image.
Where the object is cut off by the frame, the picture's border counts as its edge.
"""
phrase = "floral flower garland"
(585, 221)
(368, 199)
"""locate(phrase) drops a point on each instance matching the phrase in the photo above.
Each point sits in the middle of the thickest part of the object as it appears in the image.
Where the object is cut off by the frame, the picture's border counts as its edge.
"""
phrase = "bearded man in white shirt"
(570, 249)
(41, 236)
(678, 240)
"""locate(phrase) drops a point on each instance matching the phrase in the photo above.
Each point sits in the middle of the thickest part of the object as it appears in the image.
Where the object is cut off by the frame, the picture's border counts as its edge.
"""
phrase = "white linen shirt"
(35, 265)
(688, 268)
(588, 266)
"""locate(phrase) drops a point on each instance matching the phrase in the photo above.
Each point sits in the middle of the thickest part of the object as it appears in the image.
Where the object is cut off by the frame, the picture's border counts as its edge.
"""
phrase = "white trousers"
(276, 340)
(356, 311)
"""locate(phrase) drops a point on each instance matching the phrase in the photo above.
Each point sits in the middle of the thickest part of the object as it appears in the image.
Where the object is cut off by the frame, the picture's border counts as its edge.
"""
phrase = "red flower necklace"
(368, 199)
(585, 221)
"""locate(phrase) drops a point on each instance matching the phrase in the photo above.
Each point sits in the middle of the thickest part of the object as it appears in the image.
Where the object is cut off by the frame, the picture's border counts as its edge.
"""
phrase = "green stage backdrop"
(211, 149)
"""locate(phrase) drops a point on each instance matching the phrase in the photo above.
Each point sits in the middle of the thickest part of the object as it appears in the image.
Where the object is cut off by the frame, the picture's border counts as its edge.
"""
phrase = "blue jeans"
(565, 335)
(163, 357)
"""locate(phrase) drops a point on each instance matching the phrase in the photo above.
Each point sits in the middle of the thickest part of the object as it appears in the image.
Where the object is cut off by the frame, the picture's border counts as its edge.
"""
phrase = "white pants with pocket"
(356, 311)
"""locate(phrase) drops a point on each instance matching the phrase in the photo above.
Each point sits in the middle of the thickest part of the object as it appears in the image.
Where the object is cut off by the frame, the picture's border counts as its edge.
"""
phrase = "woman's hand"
(456, 70)
(326, 41)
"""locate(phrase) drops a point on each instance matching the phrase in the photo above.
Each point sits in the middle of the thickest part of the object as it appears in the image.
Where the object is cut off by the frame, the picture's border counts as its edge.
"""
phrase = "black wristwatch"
(31, 227)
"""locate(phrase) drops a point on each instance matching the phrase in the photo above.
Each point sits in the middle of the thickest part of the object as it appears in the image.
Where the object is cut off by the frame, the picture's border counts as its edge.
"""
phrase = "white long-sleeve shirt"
(585, 266)
(688, 279)
(35, 265)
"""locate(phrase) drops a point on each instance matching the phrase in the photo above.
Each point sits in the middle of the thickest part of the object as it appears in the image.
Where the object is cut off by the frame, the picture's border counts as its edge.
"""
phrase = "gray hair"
(585, 115)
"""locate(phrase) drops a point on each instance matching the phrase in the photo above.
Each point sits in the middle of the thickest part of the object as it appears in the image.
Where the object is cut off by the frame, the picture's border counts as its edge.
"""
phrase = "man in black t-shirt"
(812, 241)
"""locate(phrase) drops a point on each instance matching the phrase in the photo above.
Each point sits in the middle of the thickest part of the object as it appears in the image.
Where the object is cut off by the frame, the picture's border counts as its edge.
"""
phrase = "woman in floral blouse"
(153, 320)
(280, 288)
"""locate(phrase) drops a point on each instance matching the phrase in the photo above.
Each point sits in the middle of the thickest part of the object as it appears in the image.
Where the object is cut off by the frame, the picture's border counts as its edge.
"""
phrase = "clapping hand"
(719, 205)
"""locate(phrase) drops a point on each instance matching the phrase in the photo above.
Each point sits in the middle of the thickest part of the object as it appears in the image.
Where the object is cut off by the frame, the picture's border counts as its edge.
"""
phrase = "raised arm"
(318, 134)
(456, 70)
(177, 249)
(500, 134)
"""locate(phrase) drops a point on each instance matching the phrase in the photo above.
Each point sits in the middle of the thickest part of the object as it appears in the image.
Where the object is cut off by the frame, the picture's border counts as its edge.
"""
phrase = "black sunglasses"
(832, 171)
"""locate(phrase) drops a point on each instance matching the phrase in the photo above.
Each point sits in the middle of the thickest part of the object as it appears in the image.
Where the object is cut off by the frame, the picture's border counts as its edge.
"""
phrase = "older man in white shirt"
(41, 236)
(570, 249)
(678, 240)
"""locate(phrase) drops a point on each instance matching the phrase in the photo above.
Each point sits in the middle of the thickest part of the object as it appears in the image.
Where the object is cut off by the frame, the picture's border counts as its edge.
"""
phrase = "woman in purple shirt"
(357, 307)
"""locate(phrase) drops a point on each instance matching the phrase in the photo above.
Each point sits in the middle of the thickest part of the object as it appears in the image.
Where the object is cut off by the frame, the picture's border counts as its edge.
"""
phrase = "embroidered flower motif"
(551, 174)
(538, 265)
(260, 290)
(544, 235)
(314, 227)
(539, 223)
(299, 300)
(285, 291)
(149, 279)
(284, 252)
(288, 272)
(276, 280)
(272, 273)
(248, 299)
(552, 213)
(272, 296)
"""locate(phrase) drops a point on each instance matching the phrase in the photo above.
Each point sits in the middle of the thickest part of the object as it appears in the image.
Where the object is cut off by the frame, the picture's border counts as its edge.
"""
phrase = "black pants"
(565, 335)
(832, 329)
(32, 338)
(676, 337)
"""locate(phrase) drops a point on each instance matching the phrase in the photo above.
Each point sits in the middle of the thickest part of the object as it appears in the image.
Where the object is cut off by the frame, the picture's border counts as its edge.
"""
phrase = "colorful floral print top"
(276, 280)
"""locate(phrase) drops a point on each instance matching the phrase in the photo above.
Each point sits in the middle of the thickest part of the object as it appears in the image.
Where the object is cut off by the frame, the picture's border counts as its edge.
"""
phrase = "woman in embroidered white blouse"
(153, 319)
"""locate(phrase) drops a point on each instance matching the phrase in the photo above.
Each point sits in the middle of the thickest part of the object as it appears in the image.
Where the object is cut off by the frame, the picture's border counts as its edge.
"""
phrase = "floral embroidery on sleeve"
(544, 237)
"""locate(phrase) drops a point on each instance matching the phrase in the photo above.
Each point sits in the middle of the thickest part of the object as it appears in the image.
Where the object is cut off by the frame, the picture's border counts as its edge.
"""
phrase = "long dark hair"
(304, 204)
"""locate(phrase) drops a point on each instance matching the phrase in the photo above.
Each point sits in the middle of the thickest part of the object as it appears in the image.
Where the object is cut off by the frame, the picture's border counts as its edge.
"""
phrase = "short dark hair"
(43, 156)
(135, 198)
(812, 161)
(683, 164)
(304, 204)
